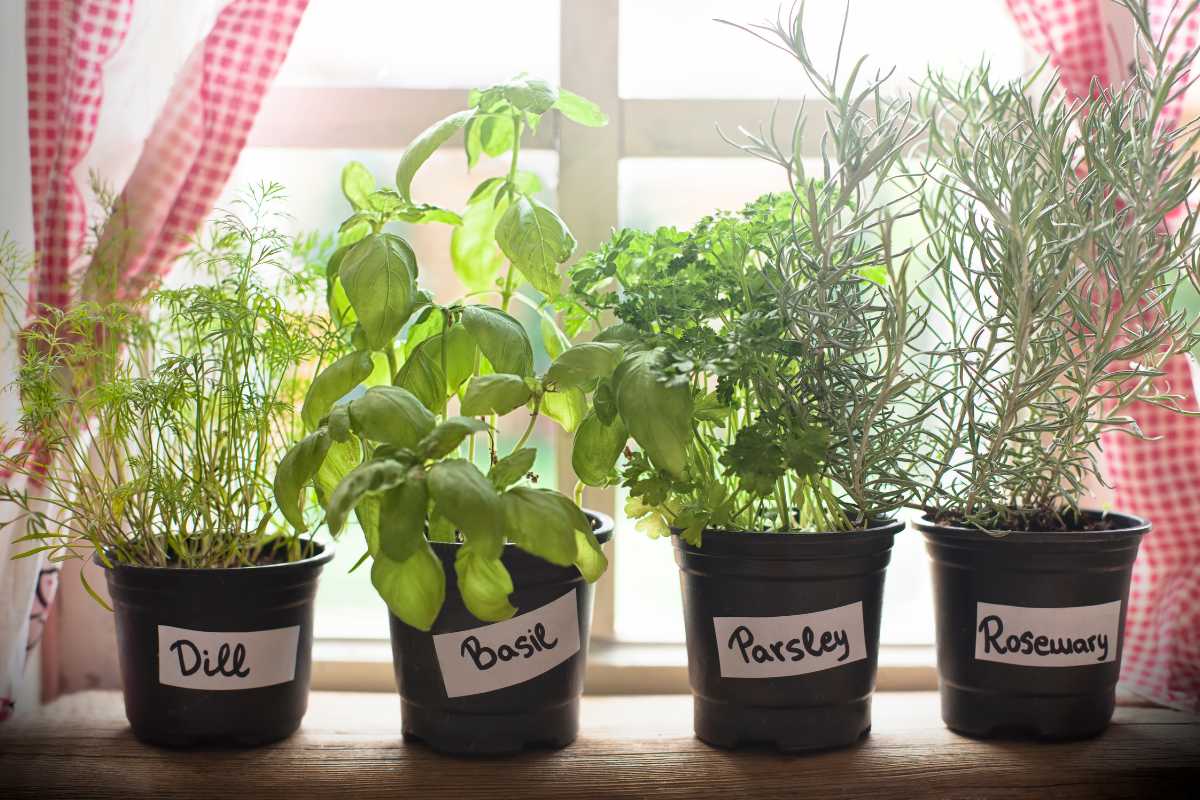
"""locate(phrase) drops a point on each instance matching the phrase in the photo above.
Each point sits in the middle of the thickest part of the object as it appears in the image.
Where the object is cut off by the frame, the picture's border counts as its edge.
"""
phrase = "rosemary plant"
(1056, 274)
(785, 330)
(148, 431)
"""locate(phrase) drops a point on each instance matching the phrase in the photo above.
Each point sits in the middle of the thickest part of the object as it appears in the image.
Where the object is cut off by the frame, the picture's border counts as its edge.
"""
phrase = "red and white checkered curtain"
(1157, 479)
(182, 168)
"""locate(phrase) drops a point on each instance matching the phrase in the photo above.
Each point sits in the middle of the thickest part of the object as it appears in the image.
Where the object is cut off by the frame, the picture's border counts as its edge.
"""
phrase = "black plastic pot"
(464, 693)
(216, 656)
(1067, 590)
(837, 578)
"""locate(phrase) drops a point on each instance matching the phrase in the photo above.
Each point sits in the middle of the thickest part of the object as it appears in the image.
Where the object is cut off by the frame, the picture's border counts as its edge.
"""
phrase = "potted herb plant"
(486, 575)
(147, 435)
(767, 381)
(1056, 275)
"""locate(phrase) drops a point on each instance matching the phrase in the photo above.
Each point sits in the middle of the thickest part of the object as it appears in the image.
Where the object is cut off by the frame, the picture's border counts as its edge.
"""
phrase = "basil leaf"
(459, 357)
(543, 522)
(484, 583)
(584, 363)
(385, 201)
(373, 476)
(527, 182)
(494, 394)
(402, 512)
(604, 402)
(440, 528)
(471, 143)
(496, 134)
(596, 449)
(425, 326)
(414, 589)
(366, 511)
(342, 312)
(426, 213)
(357, 184)
(536, 241)
(348, 236)
(332, 384)
(476, 257)
(580, 110)
(421, 374)
(296, 469)
(552, 338)
(567, 407)
(621, 333)
(379, 278)
(512, 467)
(422, 147)
(591, 561)
(354, 221)
(501, 339)
(659, 417)
(448, 435)
(339, 423)
(339, 460)
(485, 189)
(468, 499)
(530, 94)
(391, 415)
(332, 266)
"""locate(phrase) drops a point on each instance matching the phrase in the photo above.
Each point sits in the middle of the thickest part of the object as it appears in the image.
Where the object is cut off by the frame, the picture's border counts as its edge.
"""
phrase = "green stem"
(507, 294)
(537, 403)
(393, 367)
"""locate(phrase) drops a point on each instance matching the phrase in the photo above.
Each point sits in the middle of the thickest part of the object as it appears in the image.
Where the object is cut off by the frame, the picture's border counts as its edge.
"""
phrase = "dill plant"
(149, 430)
(1055, 278)
(786, 329)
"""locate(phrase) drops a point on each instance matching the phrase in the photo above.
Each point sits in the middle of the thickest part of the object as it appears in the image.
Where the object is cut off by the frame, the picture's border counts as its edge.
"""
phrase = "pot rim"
(320, 558)
(1131, 526)
(883, 527)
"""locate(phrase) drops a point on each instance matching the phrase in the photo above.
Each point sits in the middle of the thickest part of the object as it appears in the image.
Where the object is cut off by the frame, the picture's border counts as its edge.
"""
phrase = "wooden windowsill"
(350, 747)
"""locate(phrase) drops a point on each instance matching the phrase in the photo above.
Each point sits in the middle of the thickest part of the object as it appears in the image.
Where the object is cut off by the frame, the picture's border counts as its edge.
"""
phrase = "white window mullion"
(587, 197)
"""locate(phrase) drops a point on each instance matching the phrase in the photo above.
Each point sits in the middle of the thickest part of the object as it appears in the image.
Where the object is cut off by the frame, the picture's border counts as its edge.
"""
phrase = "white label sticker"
(513, 651)
(223, 661)
(1047, 637)
(775, 647)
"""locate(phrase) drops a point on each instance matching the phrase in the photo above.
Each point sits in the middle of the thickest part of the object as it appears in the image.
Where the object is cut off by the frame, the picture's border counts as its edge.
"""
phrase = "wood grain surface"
(350, 747)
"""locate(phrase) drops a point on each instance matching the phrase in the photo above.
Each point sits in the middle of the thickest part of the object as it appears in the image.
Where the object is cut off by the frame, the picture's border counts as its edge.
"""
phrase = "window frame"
(588, 192)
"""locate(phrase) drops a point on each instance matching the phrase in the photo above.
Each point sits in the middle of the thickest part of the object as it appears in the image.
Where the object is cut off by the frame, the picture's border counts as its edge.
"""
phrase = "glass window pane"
(701, 58)
(460, 43)
(647, 606)
(679, 191)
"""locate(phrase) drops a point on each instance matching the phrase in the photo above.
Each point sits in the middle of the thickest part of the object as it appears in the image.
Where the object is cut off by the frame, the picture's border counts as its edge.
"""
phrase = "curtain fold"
(66, 46)
(185, 159)
(1157, 479)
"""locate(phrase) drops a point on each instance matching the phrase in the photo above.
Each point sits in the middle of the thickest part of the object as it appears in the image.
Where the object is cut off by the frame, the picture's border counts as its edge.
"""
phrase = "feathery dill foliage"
(153, 428)
(1056, 277)
(791, 325)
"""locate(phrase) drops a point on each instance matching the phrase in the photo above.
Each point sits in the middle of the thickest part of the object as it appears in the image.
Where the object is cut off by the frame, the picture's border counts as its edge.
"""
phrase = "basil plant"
(415, 453)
